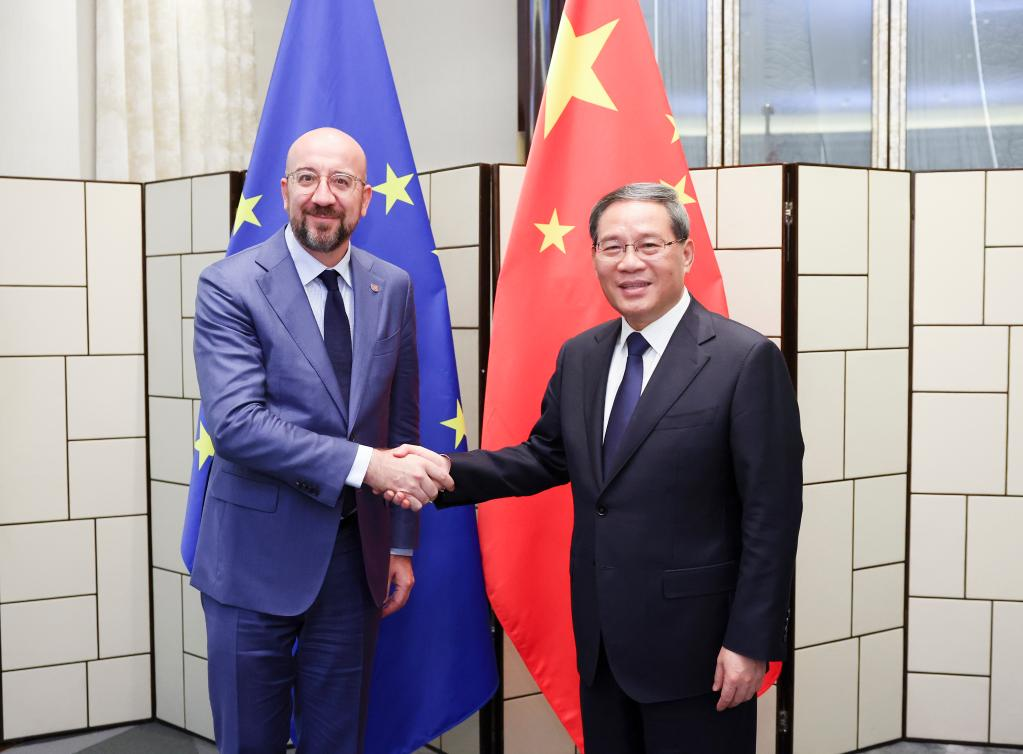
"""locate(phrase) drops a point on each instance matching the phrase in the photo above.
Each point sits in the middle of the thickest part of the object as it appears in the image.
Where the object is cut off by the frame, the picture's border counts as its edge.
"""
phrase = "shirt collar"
(659, 332)
(309, 267)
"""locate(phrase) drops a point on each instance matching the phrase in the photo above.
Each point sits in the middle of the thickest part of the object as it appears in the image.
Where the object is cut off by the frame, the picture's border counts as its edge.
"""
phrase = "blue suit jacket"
(284, 440)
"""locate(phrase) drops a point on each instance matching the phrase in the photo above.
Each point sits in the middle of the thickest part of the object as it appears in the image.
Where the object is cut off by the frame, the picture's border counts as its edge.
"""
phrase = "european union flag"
(435, 662)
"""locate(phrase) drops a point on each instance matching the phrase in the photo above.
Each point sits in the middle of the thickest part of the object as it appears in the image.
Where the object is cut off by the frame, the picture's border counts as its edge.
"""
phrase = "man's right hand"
(410, 476)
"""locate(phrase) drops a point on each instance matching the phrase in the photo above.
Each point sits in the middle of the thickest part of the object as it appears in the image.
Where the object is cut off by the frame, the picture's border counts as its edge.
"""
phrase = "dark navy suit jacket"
(284, 440)
(688, 541)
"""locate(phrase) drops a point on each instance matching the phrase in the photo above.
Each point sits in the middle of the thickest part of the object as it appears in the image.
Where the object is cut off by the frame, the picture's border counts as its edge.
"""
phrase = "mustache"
(324, 212)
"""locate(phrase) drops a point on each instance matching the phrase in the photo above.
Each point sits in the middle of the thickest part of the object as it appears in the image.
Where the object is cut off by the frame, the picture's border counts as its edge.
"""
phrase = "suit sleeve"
(767, 452)
(518, 470)
(232, 381)
(404, 419)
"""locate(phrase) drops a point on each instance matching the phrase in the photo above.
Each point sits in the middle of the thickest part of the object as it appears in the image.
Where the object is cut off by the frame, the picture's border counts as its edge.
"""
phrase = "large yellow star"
(245, 214)
(457, 424)
(674, 128)
(553, 233)
(680, 189)
(394, 188)
(204, 445)
(571, 72)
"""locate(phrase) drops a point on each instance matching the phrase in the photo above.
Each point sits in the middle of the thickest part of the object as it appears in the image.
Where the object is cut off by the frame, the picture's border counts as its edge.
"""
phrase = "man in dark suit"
(305, 349)
(679, 432)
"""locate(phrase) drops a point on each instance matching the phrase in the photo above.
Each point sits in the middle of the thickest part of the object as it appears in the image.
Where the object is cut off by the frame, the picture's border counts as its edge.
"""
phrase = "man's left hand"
(737, 678)
(399, 584)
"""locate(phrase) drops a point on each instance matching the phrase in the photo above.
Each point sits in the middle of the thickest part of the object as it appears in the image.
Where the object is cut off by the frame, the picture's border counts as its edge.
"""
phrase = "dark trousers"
(614, 723)
(252, 667)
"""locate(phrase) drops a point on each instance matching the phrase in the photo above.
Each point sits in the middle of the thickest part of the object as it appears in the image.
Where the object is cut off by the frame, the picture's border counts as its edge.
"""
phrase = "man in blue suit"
(305, 349)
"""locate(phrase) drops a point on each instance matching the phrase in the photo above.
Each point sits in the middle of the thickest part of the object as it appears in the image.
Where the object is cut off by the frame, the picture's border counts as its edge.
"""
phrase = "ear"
(284, 193)
(688, 254)
(367, 194)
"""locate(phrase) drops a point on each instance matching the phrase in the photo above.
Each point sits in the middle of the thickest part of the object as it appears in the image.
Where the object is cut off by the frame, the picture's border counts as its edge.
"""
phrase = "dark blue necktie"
(626, 398)
(337, 337)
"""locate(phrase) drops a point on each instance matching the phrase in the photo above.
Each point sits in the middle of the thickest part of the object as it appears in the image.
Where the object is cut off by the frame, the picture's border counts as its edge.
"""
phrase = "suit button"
(601, 510)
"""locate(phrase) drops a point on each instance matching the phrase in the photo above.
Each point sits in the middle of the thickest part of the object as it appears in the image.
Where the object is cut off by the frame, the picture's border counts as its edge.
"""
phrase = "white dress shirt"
(657, 334)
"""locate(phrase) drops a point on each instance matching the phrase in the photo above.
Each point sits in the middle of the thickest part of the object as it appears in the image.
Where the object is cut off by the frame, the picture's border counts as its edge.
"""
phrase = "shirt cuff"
(402, 551)
(357, 474)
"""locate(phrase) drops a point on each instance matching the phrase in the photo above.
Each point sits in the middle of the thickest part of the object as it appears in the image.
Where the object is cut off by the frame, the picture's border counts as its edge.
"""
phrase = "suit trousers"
(614, 723)
(253, 665)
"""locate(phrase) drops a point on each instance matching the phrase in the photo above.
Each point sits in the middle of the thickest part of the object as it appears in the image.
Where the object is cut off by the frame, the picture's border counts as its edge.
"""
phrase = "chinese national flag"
(604, 122)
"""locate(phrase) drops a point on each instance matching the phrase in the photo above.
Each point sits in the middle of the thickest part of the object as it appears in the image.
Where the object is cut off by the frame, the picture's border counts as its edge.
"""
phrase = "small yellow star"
(674, 128)
(204, 444)
(394, 188)
(457, 424)
(244, 213)
(553, 233)
(680, 189)
(571, 73)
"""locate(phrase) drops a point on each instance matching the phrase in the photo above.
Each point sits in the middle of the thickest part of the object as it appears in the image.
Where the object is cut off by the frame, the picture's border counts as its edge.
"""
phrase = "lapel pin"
(374, 287)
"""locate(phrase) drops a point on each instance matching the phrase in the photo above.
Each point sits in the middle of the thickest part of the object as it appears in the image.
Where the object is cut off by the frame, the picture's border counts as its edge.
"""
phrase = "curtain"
(175, 88)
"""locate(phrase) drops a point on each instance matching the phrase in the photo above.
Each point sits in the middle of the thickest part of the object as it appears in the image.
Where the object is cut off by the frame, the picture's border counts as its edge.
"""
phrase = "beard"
(325, 241)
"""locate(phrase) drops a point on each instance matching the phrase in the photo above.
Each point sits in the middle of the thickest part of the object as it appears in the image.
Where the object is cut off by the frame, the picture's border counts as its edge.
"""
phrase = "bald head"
(315, 148)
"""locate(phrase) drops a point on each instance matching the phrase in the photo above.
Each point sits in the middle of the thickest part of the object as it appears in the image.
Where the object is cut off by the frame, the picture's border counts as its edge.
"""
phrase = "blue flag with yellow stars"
(435, 661)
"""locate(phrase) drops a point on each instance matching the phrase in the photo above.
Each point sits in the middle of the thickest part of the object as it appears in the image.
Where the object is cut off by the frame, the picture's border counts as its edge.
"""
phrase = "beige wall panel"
(167, 644)
(749, 207)
(39, 561)
(106, 397)
(163, 325)
(517, 679)
(878, 598)
(115, 267)
(958, 443)
(767, 715)
(461, 269)
(32, 257)
(466, 343)
(948, 256)
(705, 184)
(120, 690)
(170, 439)
(963, 359)
(455, 207)
(825, 698)
(191, 267)
(464, 738)
(1003, 304)
(193, 619)
(167, 515)
(1004, 196)
(994, 557)
(44, 700)
(107, 477)
(122, 562)
(832, 229)
(48, 632)
(198, 714)
(949, 636)
(824, 564)
(43, 321)
(1014, 482)
(832, 313)
(212, 215)
(531, 727)
(888, 287)
(169, 217)
(510, 177)
(876, 412)
(881, 668)
(821, 394)
(937, 546)
(880, 520)
(1007, 673)
(752, 279)
(33, 450)
(946, 707)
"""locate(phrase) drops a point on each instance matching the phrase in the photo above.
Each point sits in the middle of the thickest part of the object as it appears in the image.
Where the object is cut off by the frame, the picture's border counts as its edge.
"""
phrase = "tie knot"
(330, 279)
(636, 344)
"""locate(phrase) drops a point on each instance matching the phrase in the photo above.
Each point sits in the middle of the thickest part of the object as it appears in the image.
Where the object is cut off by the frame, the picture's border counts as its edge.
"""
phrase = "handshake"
(409, 475)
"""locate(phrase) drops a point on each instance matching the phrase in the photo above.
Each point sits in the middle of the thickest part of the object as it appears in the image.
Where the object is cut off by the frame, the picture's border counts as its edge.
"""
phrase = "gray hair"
(644, 192)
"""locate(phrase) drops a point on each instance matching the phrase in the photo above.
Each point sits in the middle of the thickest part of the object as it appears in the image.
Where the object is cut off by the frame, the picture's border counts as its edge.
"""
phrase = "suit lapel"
(596, 362)
(681, 362)
(369, 301)
(283, 290)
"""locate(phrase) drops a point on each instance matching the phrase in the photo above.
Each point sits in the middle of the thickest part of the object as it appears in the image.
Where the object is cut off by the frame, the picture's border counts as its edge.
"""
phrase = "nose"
(631, 259)
(323, 195)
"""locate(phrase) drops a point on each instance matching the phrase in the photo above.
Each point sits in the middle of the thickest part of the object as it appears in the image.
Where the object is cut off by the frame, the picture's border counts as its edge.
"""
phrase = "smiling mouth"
(634, 285)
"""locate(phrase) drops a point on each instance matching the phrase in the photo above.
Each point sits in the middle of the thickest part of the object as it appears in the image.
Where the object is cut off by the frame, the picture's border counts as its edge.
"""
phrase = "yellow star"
(204, 445)
(394, 188)
(674, 128)
(457, 424)
(553, 233)
(571, 72)
(244, 213)
(680, 189)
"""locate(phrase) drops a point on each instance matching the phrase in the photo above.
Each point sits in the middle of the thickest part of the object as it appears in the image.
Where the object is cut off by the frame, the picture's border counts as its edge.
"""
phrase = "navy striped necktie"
(626, 398)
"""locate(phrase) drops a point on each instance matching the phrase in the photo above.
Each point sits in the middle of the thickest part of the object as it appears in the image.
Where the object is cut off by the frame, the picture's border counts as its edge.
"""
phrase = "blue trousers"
(252, 667)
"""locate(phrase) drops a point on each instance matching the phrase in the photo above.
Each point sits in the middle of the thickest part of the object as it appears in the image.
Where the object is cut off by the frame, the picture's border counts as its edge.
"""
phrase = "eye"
(649, 247)
(342, 181)
(612, 249)
(305, 180)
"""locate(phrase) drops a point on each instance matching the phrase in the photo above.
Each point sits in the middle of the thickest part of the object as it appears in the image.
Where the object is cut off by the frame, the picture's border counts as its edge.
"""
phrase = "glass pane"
(964, 84)
(805, 81)
(678, 30)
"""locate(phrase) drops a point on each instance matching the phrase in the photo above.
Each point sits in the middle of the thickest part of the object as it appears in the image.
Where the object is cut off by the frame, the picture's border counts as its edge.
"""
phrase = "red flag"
(604, 122)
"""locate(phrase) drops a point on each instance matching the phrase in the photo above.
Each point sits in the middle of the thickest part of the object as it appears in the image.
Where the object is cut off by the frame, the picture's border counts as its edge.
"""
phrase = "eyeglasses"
(339, 183)
(613, 249)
